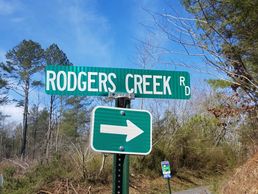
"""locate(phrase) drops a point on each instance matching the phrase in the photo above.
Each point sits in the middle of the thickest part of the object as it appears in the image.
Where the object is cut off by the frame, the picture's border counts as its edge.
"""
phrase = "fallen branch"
(16, 163)
(133, 186)
(44, 192)
(67, 186)
(89, 189)
(73, 188)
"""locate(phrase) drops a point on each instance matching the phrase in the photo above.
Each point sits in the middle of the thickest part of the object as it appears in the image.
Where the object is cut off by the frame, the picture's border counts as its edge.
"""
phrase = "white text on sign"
(107, 82)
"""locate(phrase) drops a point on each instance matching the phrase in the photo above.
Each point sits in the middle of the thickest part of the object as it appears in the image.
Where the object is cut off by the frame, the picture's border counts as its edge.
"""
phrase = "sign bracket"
(128, 96)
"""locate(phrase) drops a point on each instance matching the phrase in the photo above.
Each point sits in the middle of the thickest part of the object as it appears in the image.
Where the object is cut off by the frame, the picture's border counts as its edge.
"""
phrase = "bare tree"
(54, 56)
(207, 43)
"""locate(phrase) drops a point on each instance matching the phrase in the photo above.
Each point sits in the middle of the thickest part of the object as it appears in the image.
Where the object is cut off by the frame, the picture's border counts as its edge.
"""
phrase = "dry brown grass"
(245, 179)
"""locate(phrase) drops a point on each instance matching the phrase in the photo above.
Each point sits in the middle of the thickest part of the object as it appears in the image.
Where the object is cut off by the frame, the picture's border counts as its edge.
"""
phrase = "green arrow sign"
(118, 130)
(98, 81)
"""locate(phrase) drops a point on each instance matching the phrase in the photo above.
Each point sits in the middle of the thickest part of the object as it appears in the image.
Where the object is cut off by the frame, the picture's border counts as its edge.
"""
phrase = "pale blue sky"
(92, 32)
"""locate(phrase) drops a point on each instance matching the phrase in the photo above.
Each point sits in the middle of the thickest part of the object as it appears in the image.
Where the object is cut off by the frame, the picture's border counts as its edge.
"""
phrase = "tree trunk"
(49, 131)
(25, 118)
(1, 148)
(35, 134)
(59, 122)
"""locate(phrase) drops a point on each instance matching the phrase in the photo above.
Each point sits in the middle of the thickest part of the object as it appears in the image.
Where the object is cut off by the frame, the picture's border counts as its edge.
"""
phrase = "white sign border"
(117, 152)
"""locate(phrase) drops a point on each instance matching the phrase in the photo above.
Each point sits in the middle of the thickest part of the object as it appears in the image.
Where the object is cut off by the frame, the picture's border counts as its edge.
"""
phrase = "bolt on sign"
(121, 130)
(99, 81)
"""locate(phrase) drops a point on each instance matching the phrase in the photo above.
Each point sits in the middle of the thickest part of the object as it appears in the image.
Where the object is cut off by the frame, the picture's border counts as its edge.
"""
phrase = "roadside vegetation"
(204, 138)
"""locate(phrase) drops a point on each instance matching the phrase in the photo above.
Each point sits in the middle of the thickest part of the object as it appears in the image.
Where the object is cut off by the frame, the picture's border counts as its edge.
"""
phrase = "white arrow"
(131, 130)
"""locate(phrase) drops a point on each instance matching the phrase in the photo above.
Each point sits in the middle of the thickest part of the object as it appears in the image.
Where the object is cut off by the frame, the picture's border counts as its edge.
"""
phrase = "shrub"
(191, 147)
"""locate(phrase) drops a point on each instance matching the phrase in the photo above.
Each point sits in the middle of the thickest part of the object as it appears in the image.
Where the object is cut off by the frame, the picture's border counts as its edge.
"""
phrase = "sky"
(90, 32)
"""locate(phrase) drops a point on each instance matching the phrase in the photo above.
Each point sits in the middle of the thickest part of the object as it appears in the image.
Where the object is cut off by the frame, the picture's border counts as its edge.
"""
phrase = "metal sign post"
(165, 166)
(121, 161)
(121, 131)
(169, 189)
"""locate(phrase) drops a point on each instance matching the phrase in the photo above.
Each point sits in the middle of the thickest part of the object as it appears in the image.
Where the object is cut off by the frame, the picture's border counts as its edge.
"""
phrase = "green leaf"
(219, 84)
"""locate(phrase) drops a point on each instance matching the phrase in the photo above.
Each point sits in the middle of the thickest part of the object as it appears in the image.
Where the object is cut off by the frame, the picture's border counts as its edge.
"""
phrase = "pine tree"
(23, 61)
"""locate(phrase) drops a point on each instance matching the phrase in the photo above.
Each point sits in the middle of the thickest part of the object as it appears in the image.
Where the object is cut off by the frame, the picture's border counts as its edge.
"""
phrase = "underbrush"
(32, 179)
(61, 173)
(194, 147)
(201, 158)
(48, 175)
(193, 163)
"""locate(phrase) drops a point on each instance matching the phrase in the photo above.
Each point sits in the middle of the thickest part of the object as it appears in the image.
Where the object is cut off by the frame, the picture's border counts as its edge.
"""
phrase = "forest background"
(205, 137)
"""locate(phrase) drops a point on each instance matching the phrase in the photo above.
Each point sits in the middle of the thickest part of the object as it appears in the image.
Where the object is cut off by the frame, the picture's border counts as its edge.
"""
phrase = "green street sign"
(100, 81)
(120, 130)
